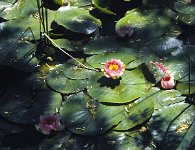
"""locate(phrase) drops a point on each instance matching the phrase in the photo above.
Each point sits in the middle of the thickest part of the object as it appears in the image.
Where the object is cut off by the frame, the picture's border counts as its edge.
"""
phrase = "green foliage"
(130, 112)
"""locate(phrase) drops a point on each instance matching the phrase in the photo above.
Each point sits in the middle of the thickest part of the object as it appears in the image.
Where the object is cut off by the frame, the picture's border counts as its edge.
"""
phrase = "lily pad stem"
(80, 63)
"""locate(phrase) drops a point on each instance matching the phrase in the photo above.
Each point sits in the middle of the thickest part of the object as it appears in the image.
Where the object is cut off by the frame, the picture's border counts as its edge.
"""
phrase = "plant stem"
(84, 66)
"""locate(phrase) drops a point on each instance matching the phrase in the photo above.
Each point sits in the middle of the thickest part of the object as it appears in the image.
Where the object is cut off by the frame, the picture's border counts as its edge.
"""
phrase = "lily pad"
(131, 86)
(20, 9)
(185, 88)
(67, 140)
(126, 55)
(58, 81)
(103, 44)
(124, 140)
(185, 8)
(166, 46)
(144, 22)
(170, 124)
(73, 70)
(77, 20)
(84, 118)
(69, 45)
(21, 105)
(90, 117)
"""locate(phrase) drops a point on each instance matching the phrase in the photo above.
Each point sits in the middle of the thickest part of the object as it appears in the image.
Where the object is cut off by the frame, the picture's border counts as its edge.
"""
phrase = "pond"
(97, 74)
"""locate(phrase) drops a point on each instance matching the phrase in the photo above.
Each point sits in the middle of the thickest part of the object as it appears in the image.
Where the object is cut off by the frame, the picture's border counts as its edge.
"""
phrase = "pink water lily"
(49, 123)
(168, 81)
(124, 30)
(114, 68)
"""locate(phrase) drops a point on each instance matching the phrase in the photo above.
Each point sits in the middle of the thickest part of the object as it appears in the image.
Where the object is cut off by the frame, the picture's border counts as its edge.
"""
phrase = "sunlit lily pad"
(58, 81)
(186, 88)
(77, 20)
(20, 9)
(74, 70)
(132, 85)
(126, 55)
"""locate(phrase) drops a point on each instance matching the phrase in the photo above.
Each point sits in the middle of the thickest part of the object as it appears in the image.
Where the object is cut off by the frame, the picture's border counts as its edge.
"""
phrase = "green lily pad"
(77, 20)
(103, 44)
(4, 5)
(124, 140)
(90, 117)
(183, 87)
(20, 9)
(170, 124)
(73, 70)
(185, 8)
(126, 55)
(187, 19)
(144, 22)
(69, 45)
(80, 3)
(166, 46)
(131, 86)
(21, 105)
(103, 6)
(135, 114)
(68, 140)
(82, 115)
(188, 139)
(168, 97)
(58, 81)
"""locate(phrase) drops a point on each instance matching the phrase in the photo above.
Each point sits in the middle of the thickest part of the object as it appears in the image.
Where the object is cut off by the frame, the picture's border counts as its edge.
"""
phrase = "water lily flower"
(49, 123)
(124, 30)
(114, 68)
(167, 82)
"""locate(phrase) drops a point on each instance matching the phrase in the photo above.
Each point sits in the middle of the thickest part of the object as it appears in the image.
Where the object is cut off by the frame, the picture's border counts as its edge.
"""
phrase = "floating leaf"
(20, 9)
(144, 22)
(103, 44)
(126, 55)
(124, 140)
(58, 81)
(67, 140)
(132, 85)
(21, 105)
(73, 70)
(77, 20)
(170, 124)
(90, 117)
(69, 45)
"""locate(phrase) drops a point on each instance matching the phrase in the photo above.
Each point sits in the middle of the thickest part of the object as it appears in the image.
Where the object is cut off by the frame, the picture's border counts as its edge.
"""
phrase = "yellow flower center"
(114, 67)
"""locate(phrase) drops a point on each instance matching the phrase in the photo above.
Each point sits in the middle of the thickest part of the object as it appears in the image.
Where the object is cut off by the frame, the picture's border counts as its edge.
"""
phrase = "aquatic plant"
(102, 74)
